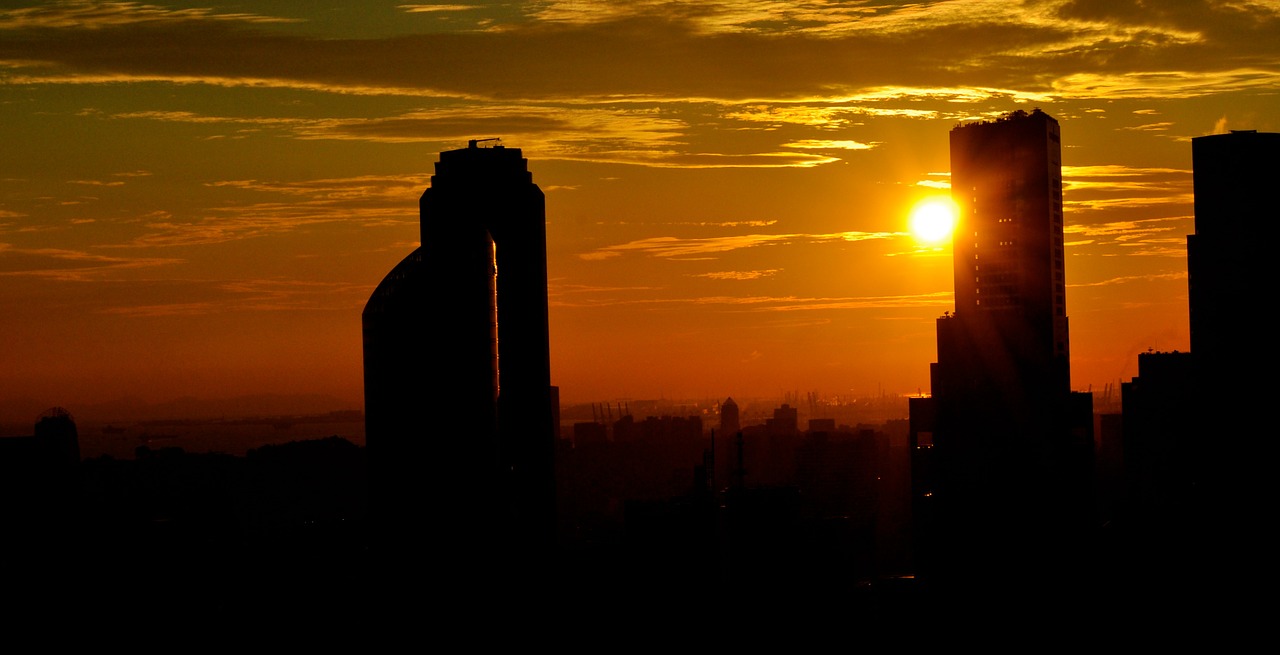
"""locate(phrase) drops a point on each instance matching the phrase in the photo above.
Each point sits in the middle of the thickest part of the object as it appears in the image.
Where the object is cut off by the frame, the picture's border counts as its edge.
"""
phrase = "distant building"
(1008, 475)
(822, 425)
(1162, 451)
(785, 421)
(459, 406)
(39, 489)
(730, 419)
(590, 433)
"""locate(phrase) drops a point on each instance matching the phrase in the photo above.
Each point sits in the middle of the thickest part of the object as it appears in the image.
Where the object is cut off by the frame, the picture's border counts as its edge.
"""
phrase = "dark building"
(730, 418)
(785, 421)
(460, 425)
(40, 495)
(1229, 256)
(1229, 267)
(1007, 479)
(1197, 468)
(1161, 459)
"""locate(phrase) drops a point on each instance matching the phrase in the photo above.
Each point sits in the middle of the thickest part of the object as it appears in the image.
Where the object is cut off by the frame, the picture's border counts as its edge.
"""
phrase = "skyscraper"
(1228, 257)
(1002, 457)
(1008, 254)
(1229, 271)
(458, 397)
(729, 418)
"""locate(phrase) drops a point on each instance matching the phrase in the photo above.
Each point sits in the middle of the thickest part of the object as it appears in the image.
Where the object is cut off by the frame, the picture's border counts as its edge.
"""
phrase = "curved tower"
(459, 424)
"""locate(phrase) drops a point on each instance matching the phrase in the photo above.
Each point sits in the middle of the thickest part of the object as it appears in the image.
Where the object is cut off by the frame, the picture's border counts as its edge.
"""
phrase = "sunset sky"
(197, 198)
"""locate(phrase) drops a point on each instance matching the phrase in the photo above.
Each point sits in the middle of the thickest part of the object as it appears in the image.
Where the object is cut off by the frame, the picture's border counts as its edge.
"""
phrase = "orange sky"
(197, 201)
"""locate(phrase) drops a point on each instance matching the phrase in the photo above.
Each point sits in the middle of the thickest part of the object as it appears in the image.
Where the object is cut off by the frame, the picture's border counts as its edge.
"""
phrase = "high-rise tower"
(1009, 259)
(1229, 273)
(1228, 257)
(458, 397)
(1003, 453)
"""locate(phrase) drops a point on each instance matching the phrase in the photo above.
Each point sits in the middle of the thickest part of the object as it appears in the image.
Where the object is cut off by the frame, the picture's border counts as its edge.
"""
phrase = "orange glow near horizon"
(730, 194)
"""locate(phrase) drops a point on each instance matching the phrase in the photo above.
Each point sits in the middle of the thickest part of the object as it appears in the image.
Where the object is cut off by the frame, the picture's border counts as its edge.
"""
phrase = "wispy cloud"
(234, 223)
(662, 51)
(366, 200)
(738, 275)
(86, 14)
(671, 247)
(767, 304)
(68, 265)
(179, 297)
(1127, 279)
(428, 9)
(1149, 127)
(1105, 187)
(822, 144)
(96, 182)
(623, 136)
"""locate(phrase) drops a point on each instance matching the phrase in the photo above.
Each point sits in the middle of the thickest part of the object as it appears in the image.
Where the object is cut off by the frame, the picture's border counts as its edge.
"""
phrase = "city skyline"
(211, 224)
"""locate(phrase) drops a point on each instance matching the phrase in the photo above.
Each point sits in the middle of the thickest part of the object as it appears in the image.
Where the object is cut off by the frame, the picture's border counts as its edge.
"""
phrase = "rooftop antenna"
(474, 143)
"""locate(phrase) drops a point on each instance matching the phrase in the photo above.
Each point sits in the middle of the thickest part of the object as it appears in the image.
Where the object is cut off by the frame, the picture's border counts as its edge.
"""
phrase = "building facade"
(1223, 457)
(1002, 448)
(460, 424)
(1228, 256)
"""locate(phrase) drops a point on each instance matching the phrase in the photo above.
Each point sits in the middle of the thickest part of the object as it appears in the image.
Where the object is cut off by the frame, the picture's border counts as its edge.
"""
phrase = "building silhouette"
(1002, 448)
(460, 424)
(40, 508)
(1162, 456)
(730, 418)
(38, 483)
(1229, 265)
(1229, 254)
(1195, 466)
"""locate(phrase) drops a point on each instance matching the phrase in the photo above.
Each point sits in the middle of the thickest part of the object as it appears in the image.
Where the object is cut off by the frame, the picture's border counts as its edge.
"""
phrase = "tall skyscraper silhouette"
(1003, 447)
(1236, 222)
(458, 397)
(1197, 468)
(1229, 269)
(730, 421)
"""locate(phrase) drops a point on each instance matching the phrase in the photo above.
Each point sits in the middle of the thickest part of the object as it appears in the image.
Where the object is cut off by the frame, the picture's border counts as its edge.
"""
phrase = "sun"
(933, 219)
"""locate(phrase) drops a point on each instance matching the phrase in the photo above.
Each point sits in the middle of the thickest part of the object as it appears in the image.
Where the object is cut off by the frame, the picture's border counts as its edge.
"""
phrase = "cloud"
(1104, 187)
(84, 14)
(738, 275)
(664, 52)
(605, 135)
(772, 304)
(672, 247)
(1127, 279)
(335, 189)
(96, 182)
(235, 223)
(823, 144)
(68, 265)
(206, 297)
(1149, 127)
(366, 200)
(425, 9)
(1155, 237)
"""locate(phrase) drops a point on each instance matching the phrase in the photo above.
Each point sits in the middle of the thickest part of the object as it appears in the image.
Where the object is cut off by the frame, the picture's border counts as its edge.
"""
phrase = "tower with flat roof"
(1003, 447)
(1229, 272)
(1236, 221)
